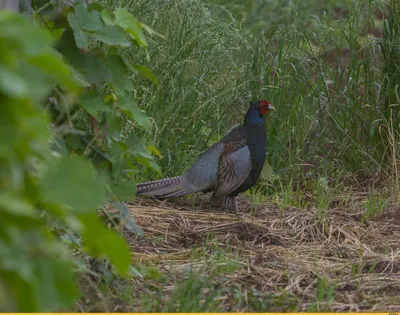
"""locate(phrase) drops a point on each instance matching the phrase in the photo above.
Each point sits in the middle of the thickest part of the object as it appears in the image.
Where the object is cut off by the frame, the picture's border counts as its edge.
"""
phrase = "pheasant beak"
(270, 107)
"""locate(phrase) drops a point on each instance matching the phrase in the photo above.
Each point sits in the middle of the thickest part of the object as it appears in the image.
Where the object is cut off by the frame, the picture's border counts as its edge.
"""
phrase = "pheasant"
(228, 168)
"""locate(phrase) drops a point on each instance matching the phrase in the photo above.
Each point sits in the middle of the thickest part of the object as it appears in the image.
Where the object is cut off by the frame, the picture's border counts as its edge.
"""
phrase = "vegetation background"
(97, 96)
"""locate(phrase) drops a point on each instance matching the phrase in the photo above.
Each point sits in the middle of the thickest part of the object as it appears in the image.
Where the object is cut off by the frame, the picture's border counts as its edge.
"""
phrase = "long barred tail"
(167, 187)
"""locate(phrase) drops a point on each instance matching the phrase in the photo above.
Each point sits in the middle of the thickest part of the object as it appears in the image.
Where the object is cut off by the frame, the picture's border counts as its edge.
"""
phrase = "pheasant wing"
(234, 168)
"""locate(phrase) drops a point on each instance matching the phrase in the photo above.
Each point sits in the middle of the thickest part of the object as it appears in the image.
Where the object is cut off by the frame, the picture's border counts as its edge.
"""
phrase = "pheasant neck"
(253, 116)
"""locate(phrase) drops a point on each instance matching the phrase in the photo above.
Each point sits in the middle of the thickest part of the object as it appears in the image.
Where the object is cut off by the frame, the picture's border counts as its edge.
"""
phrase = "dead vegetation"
(338, 263)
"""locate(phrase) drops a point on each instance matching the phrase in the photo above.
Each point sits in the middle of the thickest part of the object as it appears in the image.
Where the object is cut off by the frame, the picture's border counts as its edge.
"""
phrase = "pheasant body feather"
(227, 168)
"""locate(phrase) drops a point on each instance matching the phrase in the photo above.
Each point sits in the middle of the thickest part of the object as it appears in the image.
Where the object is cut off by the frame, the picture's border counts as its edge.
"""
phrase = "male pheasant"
(227, 168)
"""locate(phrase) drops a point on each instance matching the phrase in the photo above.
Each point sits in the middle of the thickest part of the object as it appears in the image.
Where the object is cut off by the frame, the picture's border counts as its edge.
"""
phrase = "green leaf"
(95, 70)
(117, 153)
(146, 73)
(130, 24)
(118, 74)
(39, 81)
(134, 272)
(155, 151)
(139, 116)
(12, 83)
(16, 206)
(268, 173)
(81, 79)
(22, 291)
(101, 240)
(148, 163)
(21, 34)
(129, 105)
(95, 6)
(107, 17)
(81, 38)
(73, 182)
(112, 35)
(151, 31)
(114, 125)
(136, 147)
(92, 104)
(141, 153)
(21, 221)
(28, 81)
(127, 218)
(56, 68)
(72, 142)
(56, 286)
(124, 191)
(88, 20)
(57, 144)
(88, 64)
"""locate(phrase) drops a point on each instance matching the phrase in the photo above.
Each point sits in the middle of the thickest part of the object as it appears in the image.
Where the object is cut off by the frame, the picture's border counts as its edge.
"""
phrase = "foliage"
(49, 193)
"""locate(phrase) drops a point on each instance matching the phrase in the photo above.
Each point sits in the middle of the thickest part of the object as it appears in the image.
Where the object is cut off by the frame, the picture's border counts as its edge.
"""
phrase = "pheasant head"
(257, 111)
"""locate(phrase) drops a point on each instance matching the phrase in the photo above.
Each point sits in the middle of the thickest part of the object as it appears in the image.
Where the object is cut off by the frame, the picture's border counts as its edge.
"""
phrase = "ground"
(268, 258)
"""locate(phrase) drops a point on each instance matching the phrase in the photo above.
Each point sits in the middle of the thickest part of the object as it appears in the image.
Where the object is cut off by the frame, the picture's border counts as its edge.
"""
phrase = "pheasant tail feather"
(164, 188)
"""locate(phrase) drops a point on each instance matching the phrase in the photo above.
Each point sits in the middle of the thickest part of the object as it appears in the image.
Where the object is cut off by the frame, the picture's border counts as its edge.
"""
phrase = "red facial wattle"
(263, 107)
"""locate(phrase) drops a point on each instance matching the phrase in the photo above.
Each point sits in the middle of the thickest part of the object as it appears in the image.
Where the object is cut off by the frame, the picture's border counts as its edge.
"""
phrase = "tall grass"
(331, 68)
(202, 86)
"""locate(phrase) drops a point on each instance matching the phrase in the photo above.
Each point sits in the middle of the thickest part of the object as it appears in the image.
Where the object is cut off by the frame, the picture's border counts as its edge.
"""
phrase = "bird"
(227, 168)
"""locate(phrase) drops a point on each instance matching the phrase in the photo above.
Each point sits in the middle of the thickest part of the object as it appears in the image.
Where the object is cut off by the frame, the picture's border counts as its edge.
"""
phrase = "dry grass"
(279, 251)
